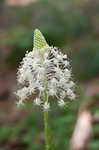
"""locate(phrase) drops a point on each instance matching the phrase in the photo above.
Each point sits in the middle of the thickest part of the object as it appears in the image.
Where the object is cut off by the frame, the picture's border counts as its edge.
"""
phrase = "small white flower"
(37, 101)
(53, 82)
(61, 103)
(63, 94)
(59, 57)
(41, 88)
(46, 62)
(46, 106)
(71, 84)
(23, 93)
(65, 56)
(45, 55)
(52, 92)
(19, 103)
(66, 63)
(70, 94)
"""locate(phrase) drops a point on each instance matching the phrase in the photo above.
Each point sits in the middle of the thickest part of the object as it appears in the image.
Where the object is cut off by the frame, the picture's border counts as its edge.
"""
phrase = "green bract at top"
(39, 40)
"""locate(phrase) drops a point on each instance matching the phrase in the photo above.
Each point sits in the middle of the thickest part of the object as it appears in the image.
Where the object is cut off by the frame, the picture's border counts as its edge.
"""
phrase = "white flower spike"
(45, 68)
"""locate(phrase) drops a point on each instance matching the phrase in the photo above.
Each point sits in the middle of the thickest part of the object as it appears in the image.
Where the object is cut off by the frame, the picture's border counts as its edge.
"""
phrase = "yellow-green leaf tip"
(39, 40)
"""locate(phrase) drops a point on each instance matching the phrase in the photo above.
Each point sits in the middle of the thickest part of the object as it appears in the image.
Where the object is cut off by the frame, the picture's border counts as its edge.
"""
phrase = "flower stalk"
(47, 131)
(46, 125)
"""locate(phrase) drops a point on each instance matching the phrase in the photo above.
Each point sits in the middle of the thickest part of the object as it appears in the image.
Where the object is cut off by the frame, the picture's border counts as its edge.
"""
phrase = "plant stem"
(46, 125)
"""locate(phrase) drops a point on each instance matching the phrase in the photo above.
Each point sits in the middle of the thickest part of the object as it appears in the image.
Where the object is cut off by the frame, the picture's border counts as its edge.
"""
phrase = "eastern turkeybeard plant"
(45, 72)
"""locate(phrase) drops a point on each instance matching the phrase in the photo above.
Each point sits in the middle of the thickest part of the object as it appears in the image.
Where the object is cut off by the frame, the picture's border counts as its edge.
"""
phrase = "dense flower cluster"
(47, 69)
(44, 70)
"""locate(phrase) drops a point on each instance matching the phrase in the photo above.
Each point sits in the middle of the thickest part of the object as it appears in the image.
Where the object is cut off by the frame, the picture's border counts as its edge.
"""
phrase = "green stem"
(46, 125)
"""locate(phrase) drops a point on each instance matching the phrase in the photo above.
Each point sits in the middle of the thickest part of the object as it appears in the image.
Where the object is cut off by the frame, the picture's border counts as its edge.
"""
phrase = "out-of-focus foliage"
(29, 131)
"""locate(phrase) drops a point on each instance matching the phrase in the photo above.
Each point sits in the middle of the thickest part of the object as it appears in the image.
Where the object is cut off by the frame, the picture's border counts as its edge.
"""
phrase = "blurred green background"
(73, 26)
